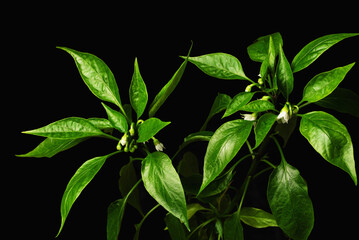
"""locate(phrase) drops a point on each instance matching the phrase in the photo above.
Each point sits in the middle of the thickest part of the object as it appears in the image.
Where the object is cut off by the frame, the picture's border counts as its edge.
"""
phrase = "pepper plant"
(209, 204)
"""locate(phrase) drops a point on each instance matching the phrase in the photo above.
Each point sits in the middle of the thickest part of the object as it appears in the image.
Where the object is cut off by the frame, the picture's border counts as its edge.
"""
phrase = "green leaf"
(314, 49)
(258, 106)
(168, 88)
(68, 128)
(175, 227)
(257, 218)
(164, 185)
(116, 119)
(223, 146)
(138, 92)
(220, 103)
(324, 83)
(233, 229)
(78, 182)
(150, 128)
(284, 75)
(96, 75)
(330, 139)
(342, 100)
(258, 51)
(196, 137)
(264, 124)
(238, 102)
(289, 201)
(220, 65)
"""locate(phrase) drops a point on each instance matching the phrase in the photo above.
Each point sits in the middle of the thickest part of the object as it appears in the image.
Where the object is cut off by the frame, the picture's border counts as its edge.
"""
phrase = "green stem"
(139, 225)
(279, 148)
(201, 226)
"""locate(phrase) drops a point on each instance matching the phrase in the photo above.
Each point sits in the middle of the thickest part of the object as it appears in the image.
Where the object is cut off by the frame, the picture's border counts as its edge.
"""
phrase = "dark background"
(45, 86)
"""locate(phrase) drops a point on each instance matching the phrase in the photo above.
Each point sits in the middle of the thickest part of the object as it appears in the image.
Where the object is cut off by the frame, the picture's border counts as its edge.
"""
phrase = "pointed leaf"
(330, 139)
(258, 106)
(223, 146)
(116, 119)
(233, 229)
(284, 74)
(96, 75)
(150, 128)
(324, 83)
(78, 182)
(289, 201)
(164, 185)
(258, 51)
(138, 92)
(220, 65)
(315, 48)
(220, 103)
(264, 124)
(257, 218)
(68, 128)
(238, 102)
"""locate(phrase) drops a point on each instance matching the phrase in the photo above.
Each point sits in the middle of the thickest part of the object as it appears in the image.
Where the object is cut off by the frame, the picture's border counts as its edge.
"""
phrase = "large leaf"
(330, 139)
(220, 65)
(314, 49)
(342, 100)
(258, 51)
(116, 119)
(149, 128)
(68, 128)
(324, 83)
(220, 103)
(284, 74)
(138, 91)
(168, 88)
(78, 182)
(223, 146)
(289, 201)
(97, 76)
(164, 185)
(257, 218)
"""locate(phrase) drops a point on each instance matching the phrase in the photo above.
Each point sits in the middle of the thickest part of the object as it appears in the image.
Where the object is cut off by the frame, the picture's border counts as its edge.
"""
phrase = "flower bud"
(284, 115)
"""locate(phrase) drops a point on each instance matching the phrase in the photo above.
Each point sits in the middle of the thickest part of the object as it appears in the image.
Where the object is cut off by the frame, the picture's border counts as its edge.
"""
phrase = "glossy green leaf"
(78, 182)
(342, 100)
(150, 128)
(315, 48)
(258, 51)
(223, 146)
(330, 139)
(264, 124)
(257, 218)
(193, 208)
(175, 227)
(220, 103)
(116, 119)
(232, 229)
(258, 106)
(196, 137)
(284, 74)
(96, 75)
(138, 91)
(68, 128)
(238, 102)
(168, 88)
(324, 83)
(289, 201)
(164, 185)
(220, 65)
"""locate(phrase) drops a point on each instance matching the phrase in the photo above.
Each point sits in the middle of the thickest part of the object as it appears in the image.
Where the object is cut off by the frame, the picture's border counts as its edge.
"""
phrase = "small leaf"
(258, 106)
(96, 75)
(238, 102)
(342, 100)
(284, 74)
(150, 128)
(116, 119)
(78, 182)
(164, 185)
(220, 65)
(68, 128)
(264, 124)
(315, 48)
(289, 201)
(330, 139)
(257, 218)
(233, 229)
(138, 92)
(220, 103)
(324, 83)
(258, 51)
(223, 146)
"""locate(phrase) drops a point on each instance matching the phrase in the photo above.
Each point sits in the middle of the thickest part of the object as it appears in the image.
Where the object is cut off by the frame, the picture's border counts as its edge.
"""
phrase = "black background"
(44, 86)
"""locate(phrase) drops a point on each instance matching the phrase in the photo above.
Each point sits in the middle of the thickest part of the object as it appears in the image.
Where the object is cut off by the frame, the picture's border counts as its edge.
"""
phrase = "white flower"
(249, 117)
(283, 116)
(123, 140)
(158, 145)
